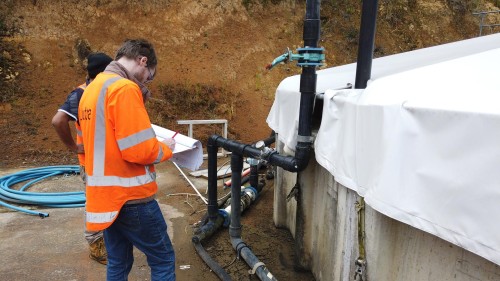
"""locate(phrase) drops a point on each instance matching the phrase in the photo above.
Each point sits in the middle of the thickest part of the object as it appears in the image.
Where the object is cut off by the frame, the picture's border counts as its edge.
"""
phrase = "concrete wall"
(324, 222)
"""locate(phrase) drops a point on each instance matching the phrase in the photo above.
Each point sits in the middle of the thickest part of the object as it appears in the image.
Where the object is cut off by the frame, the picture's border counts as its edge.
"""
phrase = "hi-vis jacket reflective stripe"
(79, 140)
(120, 148)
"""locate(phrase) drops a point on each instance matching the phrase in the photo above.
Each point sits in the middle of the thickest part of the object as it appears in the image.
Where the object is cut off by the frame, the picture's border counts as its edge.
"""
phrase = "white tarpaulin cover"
(421, 143)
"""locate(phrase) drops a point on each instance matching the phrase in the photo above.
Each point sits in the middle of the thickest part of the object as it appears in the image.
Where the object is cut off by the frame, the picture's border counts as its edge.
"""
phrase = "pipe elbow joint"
(212, 140)
(208, 229)
(302, 155)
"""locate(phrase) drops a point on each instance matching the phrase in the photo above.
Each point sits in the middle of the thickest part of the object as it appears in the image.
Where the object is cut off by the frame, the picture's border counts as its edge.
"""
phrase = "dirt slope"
(210, 51)
(220, 44)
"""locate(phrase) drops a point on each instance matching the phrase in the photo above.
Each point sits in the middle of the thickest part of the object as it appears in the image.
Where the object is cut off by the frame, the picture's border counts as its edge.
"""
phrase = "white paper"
(188, 152)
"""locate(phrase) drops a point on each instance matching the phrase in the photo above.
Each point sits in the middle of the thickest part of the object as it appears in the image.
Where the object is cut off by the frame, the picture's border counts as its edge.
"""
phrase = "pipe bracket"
(308, 139)
(238, 250)
(255, 267)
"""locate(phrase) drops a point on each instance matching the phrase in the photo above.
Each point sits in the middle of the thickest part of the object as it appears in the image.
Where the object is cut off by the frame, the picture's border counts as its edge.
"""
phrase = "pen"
(175, 134)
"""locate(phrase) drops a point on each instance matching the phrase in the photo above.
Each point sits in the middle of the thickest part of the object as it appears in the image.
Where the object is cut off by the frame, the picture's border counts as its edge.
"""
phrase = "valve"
(265, 151)
(307, 56)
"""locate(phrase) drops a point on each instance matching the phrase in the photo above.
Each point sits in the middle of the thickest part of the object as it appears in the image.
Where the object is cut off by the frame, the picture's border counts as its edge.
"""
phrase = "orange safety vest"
(79, 140)
(120, 148)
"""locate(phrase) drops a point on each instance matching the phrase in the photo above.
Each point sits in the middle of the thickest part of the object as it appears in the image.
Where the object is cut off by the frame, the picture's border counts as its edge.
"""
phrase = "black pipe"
(215, 219)
(236, 168)
(207, 229)
(236, 205)
(235, 227)
(244, 251)
(308, 80)
(254, 177)
(212, 185)
(366, 43)
(291, 164)
(269, 140)
(365, 58)
(214, 142)
(312, 23)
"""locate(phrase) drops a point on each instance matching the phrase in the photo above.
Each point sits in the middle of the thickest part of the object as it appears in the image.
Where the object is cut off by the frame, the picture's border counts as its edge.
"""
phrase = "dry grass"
(174, 102)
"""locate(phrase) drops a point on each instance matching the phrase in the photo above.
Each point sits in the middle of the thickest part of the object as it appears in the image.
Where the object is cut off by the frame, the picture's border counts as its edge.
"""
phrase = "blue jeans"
(143, 226)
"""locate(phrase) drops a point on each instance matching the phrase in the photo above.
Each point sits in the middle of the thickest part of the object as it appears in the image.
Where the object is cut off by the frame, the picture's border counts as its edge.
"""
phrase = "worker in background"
(96, 63)
(121, 149)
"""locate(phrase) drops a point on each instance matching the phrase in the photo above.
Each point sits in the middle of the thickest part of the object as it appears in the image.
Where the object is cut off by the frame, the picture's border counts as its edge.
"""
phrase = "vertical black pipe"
(311, 23)
(236, 168)
(254, 177)
(308, 80)
(212, 208)
(363, 74)
(235, 227)
(366, 43)
(308, 84)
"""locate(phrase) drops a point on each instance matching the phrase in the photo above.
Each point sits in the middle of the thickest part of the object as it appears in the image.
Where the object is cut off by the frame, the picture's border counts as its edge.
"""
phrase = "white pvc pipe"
(192, 185)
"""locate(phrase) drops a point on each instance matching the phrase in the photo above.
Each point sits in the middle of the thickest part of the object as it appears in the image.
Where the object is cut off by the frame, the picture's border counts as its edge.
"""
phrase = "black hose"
(222, 201)
(214, 266)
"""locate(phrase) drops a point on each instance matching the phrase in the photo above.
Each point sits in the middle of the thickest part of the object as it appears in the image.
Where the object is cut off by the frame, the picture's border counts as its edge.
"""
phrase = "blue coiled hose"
(72, 199)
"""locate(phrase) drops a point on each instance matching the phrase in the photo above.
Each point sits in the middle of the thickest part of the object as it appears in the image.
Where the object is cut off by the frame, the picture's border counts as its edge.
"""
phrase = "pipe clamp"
(308, 139)
(257, 265)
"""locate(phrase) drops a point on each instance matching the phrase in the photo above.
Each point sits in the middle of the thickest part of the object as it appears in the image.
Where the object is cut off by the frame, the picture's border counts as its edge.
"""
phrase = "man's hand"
(170, 143)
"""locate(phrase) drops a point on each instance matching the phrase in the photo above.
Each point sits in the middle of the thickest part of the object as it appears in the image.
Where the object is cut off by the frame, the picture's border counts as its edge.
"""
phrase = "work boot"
(98, 251)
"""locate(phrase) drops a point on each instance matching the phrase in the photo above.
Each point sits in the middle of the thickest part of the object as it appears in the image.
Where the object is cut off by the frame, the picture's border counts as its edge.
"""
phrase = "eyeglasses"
(150, 77)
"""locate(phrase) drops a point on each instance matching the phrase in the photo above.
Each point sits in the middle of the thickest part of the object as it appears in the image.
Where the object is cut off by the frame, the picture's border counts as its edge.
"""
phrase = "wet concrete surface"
(54, 248)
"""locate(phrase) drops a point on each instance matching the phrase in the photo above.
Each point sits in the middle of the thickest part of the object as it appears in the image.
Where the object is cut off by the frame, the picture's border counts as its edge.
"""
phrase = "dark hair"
(134, 48)
(96, 63)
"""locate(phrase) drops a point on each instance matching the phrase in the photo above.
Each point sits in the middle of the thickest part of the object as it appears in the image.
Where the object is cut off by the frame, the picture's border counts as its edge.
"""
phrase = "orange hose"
(246, 172)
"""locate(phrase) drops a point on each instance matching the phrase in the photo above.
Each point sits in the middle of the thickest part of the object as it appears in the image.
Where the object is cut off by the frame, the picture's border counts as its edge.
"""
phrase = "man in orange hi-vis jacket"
(120, 152)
